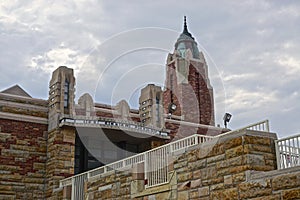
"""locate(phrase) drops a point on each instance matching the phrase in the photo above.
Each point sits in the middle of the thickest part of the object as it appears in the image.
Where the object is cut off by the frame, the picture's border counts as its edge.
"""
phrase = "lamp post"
(227, 118)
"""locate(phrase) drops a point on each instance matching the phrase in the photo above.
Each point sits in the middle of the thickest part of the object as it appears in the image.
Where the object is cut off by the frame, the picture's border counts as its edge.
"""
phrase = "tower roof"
(16, 90)
(185, 29)
(186, 41)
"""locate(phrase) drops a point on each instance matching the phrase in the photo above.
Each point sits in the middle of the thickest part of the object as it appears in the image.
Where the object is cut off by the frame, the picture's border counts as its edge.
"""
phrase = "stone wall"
(22, 158)
(240, 165)
(60, 159)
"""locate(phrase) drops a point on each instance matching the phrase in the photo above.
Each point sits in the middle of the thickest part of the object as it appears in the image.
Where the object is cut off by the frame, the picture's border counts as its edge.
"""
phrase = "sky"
(117, 47)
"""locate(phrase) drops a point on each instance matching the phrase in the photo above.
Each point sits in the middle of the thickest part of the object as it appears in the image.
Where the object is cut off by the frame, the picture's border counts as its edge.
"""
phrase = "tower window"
(157, 111)
(66, 94)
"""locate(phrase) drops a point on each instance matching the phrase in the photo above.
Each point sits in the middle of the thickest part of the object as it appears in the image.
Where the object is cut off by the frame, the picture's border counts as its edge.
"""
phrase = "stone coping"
(24, 118)
(22, 98)
(24, 105)
(253, 175)
(196, 125)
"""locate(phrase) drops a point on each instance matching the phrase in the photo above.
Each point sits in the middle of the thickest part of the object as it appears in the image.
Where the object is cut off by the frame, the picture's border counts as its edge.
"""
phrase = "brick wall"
(240, 165)
(22, 158)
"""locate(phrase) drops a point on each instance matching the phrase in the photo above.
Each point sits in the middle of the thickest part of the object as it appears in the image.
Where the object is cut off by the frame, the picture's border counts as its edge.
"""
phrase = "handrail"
(259, 126)
(129, 161)
(288, 152)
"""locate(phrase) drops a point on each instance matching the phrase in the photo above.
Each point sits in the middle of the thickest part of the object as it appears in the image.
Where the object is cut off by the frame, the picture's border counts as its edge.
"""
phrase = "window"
(66, 94)
(157, 111)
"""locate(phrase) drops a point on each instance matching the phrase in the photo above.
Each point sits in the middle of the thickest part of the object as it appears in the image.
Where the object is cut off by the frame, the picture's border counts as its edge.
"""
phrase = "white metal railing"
(114, 124)
(156, 165)
(288, 152)
(259, 126)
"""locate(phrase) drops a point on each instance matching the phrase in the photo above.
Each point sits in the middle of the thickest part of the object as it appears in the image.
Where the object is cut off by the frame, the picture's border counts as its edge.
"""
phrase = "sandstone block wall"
(241, 165)
(60, 159)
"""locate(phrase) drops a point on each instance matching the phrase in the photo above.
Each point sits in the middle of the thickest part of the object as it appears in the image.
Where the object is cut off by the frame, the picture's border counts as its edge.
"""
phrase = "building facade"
(45, 141)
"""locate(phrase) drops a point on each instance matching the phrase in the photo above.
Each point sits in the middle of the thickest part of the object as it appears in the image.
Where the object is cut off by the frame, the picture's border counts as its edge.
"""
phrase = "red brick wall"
(194, 99)
(22, 158)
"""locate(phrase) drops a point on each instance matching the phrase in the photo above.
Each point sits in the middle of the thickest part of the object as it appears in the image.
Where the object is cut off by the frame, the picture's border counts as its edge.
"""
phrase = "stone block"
(269, 197)
(208, 173)
(215, 158)
(286, 181)
(234, 152)
(195, 183)
(291, 194)
(252, 159)
(255, 188)
(228, 180)
(203, 191)
(197, 174)
(228, 194)
(184, 176)
(162, 196)
(249, 139)
(197, 165)
(233, 143)
(183, 195)
(218, 186)
(194, 194)
(239, 177)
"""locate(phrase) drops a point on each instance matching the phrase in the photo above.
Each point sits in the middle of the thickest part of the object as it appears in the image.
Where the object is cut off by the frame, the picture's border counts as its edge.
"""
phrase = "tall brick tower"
(187, 83)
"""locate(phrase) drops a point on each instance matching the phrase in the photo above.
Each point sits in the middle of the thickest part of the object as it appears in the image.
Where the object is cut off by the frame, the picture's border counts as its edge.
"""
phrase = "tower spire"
(185, 26)
(185, 29)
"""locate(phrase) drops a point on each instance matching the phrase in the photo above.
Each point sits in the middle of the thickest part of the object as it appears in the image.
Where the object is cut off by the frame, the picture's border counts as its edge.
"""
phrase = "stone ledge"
(24, 118)
(259, 175)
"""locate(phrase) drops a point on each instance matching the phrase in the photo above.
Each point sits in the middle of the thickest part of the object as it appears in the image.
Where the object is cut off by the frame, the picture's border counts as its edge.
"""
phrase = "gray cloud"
(255, 45)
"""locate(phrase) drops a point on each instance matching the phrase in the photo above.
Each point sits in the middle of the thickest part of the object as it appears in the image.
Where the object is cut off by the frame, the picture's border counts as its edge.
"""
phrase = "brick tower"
(187, 83)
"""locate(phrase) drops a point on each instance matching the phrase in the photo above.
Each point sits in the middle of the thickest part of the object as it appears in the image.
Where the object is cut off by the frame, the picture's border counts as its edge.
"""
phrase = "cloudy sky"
(116, 47)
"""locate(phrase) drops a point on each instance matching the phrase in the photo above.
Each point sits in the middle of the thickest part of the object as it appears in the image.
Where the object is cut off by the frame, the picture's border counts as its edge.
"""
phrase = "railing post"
(277, 154)
(73, 189)
(267, 123)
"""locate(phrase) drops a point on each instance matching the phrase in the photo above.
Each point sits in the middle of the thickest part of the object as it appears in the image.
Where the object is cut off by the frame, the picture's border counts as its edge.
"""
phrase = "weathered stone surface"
(183, 195)
(291, 194)
(234, 152)
(203, 191)
(270, 197)
(286, 181)
(249, 139)
(233, 143)
(199, 164)
(228, 180)
(184, 176)
(255, 189)
(228, 194)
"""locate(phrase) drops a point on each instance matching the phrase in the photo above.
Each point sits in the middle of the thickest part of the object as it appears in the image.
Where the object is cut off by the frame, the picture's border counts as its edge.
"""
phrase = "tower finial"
(185, 29)
(185, 26)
